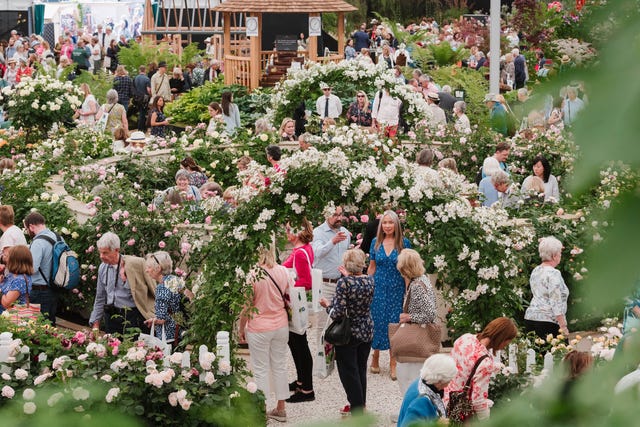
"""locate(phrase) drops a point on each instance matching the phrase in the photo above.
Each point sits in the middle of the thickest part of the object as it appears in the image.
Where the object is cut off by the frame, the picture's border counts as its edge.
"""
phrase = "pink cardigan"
(298, 261)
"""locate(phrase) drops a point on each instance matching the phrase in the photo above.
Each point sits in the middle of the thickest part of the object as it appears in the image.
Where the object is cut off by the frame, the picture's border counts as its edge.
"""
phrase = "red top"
(301, 264)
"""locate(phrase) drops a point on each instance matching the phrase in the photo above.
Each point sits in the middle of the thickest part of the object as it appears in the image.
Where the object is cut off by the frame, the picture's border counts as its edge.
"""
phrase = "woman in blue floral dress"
(16, 284)
(159, 266)
(389, 285)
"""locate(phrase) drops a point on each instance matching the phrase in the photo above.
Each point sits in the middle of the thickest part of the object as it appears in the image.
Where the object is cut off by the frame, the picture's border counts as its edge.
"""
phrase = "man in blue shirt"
(498, 115)
(42, 251)
(330, 241)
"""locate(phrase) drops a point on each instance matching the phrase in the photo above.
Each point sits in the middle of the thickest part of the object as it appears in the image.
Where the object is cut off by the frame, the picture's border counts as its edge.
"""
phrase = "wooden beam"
(313, 43)
(256, 49)
(341, 37)
(226, 25)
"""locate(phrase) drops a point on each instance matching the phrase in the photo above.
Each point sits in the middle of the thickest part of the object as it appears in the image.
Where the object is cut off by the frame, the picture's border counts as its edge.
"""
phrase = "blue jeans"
(48, 300)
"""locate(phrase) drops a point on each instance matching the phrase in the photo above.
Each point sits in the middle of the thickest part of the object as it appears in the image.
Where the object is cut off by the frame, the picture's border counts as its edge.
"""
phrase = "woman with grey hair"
(117, 115)
(462, 124)
(354, 293)
(159, 266)
(423, 400)
(548, 308)
(182, 191)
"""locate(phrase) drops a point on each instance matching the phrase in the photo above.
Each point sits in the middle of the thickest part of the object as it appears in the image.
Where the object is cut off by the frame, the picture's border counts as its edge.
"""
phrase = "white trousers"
(407, 373)
(269, 356)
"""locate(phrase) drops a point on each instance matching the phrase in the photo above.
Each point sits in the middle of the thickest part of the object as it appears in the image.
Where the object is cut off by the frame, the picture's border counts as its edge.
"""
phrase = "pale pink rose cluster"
(8, 392)
(224, 367)
(97, 349)
(206, 360)
(180, 397)
(112, 394)
(21, 374)
(157, 379)
(42, 378)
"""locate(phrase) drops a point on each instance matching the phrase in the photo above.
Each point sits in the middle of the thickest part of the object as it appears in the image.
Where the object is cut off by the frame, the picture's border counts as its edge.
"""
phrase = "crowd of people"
(375, 283)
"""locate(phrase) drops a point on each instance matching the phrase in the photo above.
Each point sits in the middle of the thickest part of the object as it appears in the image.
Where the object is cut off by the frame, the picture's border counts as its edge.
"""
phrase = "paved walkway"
(383, 396)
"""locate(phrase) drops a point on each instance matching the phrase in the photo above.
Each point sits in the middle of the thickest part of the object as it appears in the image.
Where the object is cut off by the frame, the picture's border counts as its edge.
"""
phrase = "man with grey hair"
(502, 183)
(114, 300)
(330, 241)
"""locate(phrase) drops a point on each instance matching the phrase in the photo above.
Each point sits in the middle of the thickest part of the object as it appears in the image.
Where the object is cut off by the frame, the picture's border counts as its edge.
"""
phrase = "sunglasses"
(360, 96)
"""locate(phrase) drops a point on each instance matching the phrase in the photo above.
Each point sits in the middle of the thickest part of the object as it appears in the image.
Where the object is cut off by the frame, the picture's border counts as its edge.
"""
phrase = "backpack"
(65, 268)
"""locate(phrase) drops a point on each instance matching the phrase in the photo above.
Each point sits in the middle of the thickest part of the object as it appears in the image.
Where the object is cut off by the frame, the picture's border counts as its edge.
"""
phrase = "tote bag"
(101, 124)
(299, 311)
(316, 286)
(152, 341)
(324, 360)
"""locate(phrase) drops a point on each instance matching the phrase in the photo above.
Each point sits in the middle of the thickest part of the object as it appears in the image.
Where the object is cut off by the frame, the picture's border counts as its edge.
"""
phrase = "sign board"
(315, 26)
(286, 43)
(252, 26)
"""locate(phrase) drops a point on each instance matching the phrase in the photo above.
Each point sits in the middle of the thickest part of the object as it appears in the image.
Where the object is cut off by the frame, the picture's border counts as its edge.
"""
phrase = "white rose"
(29, 408)
(252, 387)
(173, 399)
(8, 392)
(28, 394)
(20, 374)
(112, 394)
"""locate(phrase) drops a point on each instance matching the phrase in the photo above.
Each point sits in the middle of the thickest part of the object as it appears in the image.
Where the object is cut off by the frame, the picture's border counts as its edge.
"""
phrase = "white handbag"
(299, 311)
(152, 341)
(324, 359)
(316, 286)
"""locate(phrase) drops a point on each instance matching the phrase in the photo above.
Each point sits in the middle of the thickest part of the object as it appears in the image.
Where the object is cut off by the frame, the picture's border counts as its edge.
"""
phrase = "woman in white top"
(217, 120)
(230, 112)
(87, 112)
(462, 124)
(96, 55)
(542, 169)
(386, 113)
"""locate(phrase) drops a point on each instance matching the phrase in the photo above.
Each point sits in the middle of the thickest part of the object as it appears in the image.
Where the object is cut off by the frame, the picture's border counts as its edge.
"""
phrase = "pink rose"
(364, 218)
(162, 244)
(131, 242)
(207, 220)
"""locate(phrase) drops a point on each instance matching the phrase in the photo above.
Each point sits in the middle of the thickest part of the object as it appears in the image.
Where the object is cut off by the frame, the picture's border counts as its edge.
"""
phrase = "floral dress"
(159, 130)
(18, 283)
(353, 298)
(389, 293)
(197, 178)
(466, 351)
(167, 304)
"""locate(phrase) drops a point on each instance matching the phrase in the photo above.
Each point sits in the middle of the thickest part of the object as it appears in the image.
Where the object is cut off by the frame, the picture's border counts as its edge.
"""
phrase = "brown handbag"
(413, 342)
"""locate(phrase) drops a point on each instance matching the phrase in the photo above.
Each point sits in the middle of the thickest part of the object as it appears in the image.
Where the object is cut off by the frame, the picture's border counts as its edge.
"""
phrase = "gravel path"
(383, 396)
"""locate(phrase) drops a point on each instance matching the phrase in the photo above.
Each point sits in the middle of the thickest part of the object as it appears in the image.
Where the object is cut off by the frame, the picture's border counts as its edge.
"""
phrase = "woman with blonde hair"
(390, 286)
(420, 307)
(87, 112)
(301, 260)
(359, 111)
(266, 328)
(448, 163)
(287, 130)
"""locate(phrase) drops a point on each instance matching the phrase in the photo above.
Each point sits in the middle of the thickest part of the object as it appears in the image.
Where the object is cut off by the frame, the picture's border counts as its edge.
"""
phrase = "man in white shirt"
(160, 83)
(11, 235)
(328, 105)
(385, 113)
(437, 113)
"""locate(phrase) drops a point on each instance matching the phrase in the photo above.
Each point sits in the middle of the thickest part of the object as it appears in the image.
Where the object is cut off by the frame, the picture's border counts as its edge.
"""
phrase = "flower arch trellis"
(441, 223)
(346, 77)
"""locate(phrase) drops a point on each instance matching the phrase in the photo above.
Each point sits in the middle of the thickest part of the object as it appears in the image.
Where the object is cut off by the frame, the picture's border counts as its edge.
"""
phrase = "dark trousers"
(143, 107)
(48, 300)
(299, 347)
(118, 320)
(542, 329)
(352, 368)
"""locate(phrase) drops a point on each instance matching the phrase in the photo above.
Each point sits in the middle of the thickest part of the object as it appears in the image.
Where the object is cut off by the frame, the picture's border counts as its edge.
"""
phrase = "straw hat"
(565, 59)
(138, 138)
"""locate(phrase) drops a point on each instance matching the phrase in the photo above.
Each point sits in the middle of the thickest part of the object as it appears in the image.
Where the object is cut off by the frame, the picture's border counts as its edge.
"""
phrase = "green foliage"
(138, 54)
(444, 55)
(191, 107)
(473, 83)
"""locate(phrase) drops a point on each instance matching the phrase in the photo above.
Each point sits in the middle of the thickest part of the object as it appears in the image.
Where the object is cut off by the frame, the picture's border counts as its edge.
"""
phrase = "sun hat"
(137, 137)
(490, 97)
(433, 96)
(207, 40)
(565, 59)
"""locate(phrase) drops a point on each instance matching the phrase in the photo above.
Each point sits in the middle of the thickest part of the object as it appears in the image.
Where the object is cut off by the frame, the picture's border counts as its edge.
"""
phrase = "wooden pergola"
(242, 69)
